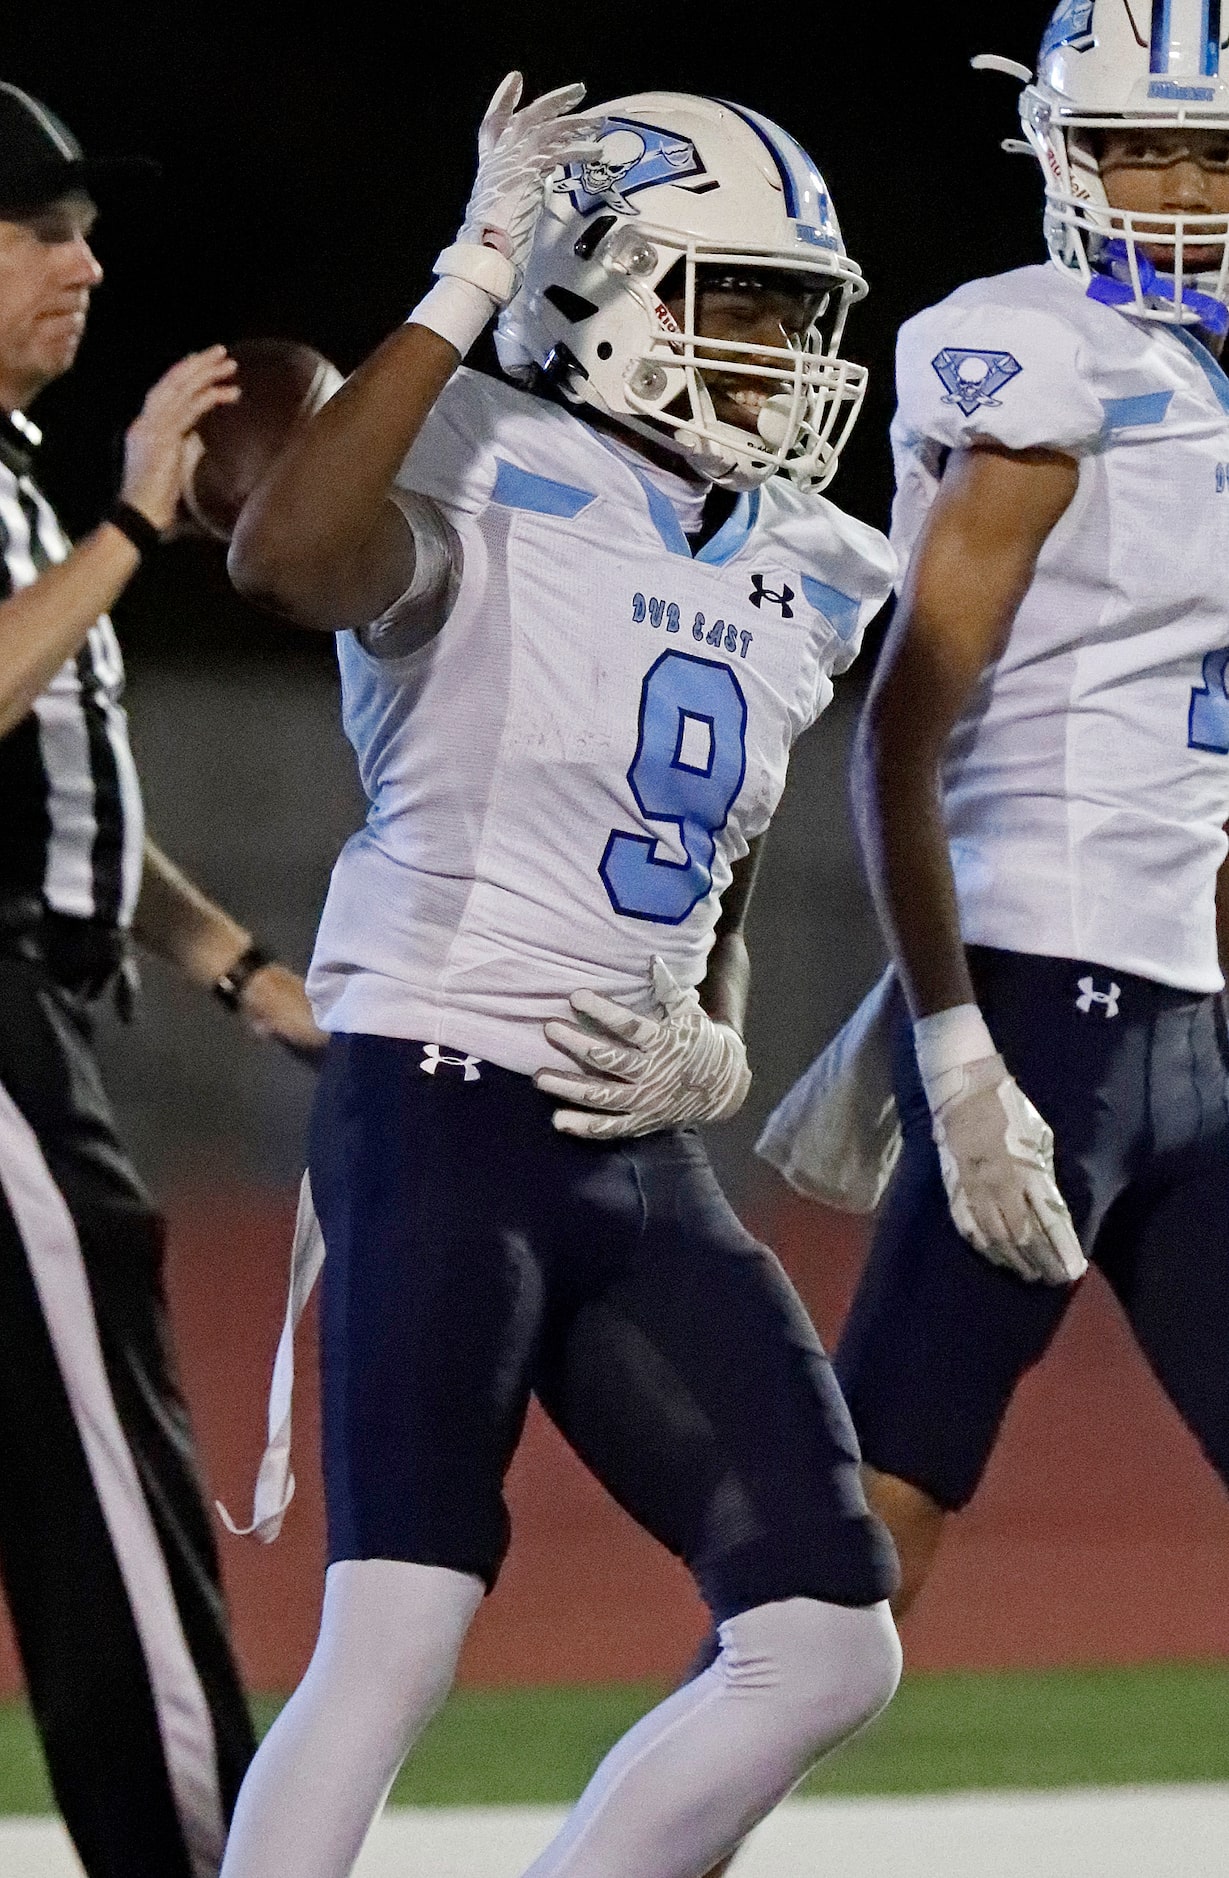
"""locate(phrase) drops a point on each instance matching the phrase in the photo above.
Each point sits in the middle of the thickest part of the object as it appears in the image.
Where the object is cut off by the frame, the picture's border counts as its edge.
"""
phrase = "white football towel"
(835, 1136)
(274, 1480)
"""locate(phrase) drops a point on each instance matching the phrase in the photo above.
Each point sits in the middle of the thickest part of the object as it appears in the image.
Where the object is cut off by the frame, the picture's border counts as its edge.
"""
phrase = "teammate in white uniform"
(581, 624)
(1043, 782)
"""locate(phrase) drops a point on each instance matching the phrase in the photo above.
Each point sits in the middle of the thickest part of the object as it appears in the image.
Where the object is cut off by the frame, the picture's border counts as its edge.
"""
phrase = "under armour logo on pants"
(1089, 996)
(433, 1056)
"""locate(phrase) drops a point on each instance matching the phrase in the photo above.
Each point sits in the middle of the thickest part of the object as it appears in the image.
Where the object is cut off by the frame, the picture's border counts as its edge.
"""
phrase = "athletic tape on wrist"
(456, 311)
(945, 1042)
(482, 266)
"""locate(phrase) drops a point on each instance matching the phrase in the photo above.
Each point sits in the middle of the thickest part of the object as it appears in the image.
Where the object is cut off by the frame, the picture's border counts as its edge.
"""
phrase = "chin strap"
(1115, 287)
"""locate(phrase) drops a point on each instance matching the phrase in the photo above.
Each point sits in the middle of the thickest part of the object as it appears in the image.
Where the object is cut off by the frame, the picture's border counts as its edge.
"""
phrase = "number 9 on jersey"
(689, 765)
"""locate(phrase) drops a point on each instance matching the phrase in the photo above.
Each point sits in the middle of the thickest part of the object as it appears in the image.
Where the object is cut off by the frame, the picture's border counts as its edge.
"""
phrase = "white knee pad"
(830, 1666)
(688, 1783)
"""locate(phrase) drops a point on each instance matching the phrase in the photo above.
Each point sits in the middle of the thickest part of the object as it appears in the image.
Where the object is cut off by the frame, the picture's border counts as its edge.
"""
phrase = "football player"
(1043, 781)
(582, 611)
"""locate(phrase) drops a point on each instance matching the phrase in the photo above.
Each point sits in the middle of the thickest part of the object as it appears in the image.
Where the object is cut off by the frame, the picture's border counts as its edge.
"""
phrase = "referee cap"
(41, 160)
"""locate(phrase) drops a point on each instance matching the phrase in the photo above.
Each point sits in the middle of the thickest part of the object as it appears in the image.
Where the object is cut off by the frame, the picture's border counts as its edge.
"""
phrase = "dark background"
(311, 174)
(311, 171)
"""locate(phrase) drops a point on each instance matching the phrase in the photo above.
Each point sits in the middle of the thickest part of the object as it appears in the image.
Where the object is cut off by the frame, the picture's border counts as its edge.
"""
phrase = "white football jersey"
(1087, 786)
(561, 779)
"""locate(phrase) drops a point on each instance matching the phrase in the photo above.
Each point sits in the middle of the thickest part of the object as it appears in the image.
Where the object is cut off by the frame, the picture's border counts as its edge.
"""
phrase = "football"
(281, 382)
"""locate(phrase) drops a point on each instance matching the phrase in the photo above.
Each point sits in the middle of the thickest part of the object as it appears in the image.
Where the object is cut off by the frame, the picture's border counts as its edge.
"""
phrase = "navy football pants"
(476, 1255)
(1133, 1078)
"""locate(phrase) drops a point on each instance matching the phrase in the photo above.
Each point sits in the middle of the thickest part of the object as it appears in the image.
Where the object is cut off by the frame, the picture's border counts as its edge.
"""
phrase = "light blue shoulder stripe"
(521, 489)
(1207, 365)
(1149, 407)
(734, 531)
(839, 609)
(665, 521)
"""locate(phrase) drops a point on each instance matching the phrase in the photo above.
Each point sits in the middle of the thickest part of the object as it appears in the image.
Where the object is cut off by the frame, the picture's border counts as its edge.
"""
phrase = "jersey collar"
(722, 546)
(734, 531)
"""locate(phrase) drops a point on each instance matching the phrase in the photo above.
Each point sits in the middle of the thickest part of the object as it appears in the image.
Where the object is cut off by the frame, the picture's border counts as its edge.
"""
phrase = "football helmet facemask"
(690, 194)
(1136, 66)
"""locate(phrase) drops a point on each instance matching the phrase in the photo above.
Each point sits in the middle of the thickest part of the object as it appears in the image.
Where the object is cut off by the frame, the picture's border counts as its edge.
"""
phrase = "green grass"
(23, 1778)
(1087, 1727)
(1064, 1728)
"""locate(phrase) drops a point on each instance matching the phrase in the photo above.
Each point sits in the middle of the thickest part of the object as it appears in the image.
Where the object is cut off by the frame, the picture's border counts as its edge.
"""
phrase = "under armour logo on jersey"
(972, 378)
(433, 1056)
(633, 156)
(759, 593)
(1089, 996)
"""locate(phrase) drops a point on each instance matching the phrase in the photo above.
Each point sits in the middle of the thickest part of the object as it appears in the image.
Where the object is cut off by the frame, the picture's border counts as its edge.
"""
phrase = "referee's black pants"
(106, 1551)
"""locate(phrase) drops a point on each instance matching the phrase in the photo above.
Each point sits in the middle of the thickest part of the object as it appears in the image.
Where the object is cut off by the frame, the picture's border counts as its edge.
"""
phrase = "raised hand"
(161, 448)
(517, 151)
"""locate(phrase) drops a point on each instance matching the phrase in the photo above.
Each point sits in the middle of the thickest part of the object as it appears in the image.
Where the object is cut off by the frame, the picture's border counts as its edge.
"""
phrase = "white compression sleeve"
(418, 614)
(389, 1638)
(684, 1787)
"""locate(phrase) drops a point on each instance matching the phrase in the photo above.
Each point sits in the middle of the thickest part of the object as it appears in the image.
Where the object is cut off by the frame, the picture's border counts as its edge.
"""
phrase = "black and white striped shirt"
(71, 823)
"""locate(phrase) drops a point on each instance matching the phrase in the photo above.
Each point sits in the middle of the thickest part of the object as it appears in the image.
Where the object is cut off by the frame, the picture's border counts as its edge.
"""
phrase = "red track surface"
(1099, 1536)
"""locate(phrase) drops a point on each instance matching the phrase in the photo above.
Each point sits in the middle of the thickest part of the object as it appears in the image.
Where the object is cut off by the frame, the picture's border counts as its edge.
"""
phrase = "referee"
(105, 1545)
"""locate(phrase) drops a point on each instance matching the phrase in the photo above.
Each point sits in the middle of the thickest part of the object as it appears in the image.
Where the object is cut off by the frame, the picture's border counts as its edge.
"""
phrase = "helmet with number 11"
(689, 194)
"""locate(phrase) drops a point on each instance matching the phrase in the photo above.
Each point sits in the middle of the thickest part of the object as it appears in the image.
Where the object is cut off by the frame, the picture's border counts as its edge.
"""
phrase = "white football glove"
(645, 1073)
(517, 151)
(996, 1154)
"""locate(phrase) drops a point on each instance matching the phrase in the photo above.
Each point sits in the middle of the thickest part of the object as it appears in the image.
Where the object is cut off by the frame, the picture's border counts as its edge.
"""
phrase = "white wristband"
(455, 310)
(481, 265)
(945, 1042)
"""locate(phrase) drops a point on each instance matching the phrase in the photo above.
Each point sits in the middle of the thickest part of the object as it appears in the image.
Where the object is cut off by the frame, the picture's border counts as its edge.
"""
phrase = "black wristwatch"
(230, 987)
(141, 532)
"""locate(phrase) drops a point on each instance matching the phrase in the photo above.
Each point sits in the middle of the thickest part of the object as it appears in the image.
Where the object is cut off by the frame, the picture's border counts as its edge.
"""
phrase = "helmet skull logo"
(633, 156)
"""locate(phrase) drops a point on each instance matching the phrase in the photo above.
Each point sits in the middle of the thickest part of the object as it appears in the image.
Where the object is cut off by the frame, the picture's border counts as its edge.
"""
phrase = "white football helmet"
(1127, 65)
(685, 184)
